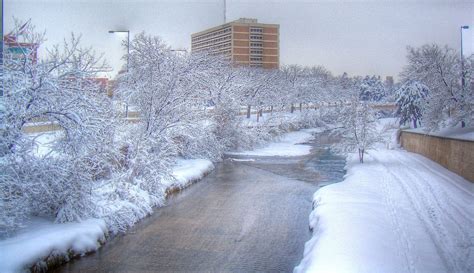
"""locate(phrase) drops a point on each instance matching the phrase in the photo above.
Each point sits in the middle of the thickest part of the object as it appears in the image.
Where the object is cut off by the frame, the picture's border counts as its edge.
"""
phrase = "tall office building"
(244, 42)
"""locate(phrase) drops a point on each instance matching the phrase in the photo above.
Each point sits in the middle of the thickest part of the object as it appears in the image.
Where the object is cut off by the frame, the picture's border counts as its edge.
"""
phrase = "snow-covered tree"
(58, 88)
(258, 84)
(358, 129)
(321, 83)
(172, 93)
(222, 86)
(292, 75)
(410, 99)
(439, 68)
(371, 89)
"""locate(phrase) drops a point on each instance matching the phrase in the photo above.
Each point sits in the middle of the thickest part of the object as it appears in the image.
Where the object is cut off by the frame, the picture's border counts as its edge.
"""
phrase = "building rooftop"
(245, 21)
(240, 21)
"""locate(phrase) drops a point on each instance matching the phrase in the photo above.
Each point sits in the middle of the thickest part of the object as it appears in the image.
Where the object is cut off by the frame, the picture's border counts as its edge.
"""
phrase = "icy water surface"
(246, 216)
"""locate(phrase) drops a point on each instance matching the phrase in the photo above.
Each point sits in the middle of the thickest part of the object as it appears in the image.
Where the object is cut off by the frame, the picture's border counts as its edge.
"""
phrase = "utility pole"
(225, 19)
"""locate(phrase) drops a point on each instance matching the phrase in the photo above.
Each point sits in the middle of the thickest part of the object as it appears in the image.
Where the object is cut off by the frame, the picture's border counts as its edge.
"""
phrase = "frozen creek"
(249, 214)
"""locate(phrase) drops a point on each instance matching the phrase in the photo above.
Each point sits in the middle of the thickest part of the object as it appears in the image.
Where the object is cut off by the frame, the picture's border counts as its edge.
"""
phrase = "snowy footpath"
(42, 238)
(397, 212)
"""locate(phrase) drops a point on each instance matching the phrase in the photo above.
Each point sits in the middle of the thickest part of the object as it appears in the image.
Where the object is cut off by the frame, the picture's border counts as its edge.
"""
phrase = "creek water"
(250, 214)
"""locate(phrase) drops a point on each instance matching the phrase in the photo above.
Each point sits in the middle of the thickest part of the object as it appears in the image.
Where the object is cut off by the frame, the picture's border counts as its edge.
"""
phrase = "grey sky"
(358, 37)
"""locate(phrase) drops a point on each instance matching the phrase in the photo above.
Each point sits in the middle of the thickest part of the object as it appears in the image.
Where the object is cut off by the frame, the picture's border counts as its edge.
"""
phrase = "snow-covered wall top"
(466, 133)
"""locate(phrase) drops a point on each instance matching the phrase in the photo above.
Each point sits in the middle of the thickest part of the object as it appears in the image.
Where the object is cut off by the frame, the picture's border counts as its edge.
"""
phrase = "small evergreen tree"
(410, 99)
(371, 89)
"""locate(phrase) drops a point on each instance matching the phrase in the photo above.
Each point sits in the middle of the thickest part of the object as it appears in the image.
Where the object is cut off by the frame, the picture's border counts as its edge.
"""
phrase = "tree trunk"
(292, 108)
(414, 124)
(248, 111)
(261, 112)
(258, 115)
(361, 155)
(301, 106)
(271, 110)
(463, 124)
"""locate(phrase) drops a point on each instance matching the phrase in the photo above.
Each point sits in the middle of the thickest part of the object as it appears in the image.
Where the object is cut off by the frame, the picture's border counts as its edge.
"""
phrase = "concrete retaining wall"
(454, 154)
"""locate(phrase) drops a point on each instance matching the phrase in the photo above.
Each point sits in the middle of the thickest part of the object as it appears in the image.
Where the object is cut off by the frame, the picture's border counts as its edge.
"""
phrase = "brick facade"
(244, 41)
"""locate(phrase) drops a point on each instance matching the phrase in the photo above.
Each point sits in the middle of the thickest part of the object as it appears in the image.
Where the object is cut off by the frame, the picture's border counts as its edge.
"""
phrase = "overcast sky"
(358, 37)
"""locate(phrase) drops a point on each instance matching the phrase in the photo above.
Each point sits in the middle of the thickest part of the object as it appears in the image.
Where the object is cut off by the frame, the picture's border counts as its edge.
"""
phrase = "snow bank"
(289, 144)
(397, 212)
(43, 239)
(189, 170)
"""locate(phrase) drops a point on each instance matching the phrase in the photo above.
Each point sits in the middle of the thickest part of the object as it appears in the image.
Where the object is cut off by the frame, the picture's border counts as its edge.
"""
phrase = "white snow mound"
(397, 212)
(44, 238)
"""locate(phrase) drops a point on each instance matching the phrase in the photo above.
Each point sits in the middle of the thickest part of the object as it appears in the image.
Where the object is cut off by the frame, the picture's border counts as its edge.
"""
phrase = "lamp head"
(465, 27)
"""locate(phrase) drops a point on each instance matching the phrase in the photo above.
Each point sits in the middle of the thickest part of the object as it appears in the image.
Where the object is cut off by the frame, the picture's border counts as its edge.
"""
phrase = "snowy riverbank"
(397, 212)
(289, 144)
(43, 240)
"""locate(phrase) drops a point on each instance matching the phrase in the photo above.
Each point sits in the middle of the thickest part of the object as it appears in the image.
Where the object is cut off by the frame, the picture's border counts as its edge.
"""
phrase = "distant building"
(244, 42)
(19, 50)
(103, 84)
(389, 81)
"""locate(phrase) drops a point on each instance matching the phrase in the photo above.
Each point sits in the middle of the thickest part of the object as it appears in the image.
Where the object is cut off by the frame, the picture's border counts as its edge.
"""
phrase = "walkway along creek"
(250, 214)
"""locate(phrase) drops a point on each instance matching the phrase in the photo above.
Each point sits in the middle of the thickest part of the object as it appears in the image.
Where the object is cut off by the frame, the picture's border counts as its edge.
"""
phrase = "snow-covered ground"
(42, 238)
(44, 142)
(289, 144)
(397, 212)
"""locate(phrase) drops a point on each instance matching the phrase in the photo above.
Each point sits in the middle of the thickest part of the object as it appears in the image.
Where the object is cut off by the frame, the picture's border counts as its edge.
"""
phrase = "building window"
(256, 44)
(256, 51)
(256, 37)
(256, 59)
(256, 30)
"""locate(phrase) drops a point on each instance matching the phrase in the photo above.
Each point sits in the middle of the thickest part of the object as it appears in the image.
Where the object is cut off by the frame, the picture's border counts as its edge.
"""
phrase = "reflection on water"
(329, 166)
(321, 166)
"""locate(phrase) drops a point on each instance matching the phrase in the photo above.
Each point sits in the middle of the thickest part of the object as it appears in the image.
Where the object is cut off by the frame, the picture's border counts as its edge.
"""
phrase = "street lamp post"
(463, 81)
(462, 59)
(128, 57)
